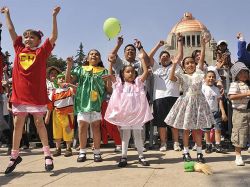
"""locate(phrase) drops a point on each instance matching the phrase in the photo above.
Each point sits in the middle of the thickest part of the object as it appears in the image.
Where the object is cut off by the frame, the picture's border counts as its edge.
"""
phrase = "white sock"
(186, 150)
(238, 156)
(199, 149)
(83, 151)
(97, 151)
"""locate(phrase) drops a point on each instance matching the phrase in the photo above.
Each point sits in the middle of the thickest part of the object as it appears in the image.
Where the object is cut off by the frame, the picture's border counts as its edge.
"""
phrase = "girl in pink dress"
(129, 109)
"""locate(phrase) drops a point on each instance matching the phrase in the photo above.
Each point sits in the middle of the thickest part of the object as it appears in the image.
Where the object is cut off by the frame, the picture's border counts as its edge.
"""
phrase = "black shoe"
(144, 162)
(12, 167)
(97, 158)
(219, 149)
(200, 158)
(49, 167)
(187, 157)
(81, 157)
(68, 152)
(123, 162)
(57, 152)
(209, 148)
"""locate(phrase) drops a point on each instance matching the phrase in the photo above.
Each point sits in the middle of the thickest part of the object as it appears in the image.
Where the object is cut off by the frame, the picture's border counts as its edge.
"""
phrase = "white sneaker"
(239, 161)
(118, 148)
(163, 148)
(177, 146)
(248, 150)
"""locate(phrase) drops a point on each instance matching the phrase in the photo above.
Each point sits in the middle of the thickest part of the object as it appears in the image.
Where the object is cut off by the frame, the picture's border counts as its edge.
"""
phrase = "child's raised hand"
(4, 10)
(137, 44)
(56, 10)
(239, 35)
(70, 61)
(174, 60)
(120, 40)
(161, 43)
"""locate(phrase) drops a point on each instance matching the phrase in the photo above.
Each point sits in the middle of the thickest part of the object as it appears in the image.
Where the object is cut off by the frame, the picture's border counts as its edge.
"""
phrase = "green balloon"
(111, 27)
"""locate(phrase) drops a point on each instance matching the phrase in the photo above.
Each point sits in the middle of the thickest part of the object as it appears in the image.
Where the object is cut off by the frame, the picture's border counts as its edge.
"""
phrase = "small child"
(190, 111)
(214, 99)
(88, 99)
(63, 118)
(128, 108)
(239, 94)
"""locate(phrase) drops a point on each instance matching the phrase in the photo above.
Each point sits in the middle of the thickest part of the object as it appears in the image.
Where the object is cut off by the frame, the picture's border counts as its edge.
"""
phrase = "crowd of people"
(184, 94)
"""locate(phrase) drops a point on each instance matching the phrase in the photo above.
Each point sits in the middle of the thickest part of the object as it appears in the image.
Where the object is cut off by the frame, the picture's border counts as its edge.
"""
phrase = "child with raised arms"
(128, 107)
(29, 84)
(88, 99)
(191, 110)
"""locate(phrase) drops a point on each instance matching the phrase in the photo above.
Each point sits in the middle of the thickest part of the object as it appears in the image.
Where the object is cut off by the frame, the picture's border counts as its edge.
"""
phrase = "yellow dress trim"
(93, 69)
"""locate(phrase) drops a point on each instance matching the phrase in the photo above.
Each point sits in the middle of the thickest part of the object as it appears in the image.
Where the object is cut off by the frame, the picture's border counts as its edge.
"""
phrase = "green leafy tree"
(58, 62)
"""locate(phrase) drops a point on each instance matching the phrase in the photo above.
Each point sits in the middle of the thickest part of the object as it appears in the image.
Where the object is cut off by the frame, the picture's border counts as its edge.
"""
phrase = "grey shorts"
(241, 128)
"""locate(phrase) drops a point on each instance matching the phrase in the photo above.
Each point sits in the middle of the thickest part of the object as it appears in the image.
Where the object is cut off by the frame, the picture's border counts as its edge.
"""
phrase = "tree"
(80, 56)
(54, 61)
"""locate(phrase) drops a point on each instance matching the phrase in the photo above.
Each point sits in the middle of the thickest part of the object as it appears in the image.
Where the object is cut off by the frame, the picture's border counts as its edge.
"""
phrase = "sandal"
(13, 166)
(49, 167)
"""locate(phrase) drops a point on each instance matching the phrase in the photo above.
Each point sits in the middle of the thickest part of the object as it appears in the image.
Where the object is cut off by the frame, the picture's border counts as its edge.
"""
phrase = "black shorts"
(161, 108)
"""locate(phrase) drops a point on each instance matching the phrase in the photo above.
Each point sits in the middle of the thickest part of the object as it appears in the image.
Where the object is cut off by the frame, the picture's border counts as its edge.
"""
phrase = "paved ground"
(166, 170)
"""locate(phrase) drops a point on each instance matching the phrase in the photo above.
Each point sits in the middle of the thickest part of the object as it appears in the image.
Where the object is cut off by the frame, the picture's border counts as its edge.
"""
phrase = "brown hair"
(39, 34)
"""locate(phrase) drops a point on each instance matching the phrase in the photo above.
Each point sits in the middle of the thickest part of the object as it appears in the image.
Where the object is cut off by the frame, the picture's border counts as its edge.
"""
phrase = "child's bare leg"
(58, 143)
(96, 133)
(163, 135)
(40, 126)
(175, 133)
(217, 136)
(198, 137)
(185, 138)
(82, 131)
(18, 130)
(238, 151)
(68, 144)
(207, 137)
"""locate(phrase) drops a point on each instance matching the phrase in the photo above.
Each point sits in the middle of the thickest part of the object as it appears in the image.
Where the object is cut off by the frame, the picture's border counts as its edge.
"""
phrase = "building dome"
(188, 24)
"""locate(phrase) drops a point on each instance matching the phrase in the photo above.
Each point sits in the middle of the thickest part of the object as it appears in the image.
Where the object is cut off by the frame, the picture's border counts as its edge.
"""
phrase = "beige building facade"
(192, 30)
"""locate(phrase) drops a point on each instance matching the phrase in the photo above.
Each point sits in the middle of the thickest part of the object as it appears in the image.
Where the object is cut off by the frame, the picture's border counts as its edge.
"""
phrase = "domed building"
(192, 30)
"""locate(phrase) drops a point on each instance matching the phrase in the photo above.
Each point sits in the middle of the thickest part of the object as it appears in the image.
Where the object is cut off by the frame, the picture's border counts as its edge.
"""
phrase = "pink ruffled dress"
(128, 106)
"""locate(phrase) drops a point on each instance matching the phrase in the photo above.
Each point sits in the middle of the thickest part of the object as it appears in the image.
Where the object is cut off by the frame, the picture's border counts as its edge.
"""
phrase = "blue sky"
(147, 20)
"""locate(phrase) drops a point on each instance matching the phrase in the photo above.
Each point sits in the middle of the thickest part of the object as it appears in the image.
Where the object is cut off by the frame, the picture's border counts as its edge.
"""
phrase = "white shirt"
(212, 95)
(163, 87)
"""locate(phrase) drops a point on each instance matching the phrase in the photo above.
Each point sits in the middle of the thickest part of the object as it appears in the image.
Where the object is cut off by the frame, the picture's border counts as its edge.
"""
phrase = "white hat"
(236, 68)
(221, 41)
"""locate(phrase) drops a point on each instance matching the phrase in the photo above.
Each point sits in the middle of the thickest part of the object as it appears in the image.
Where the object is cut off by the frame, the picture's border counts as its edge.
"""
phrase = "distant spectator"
(243, 50)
